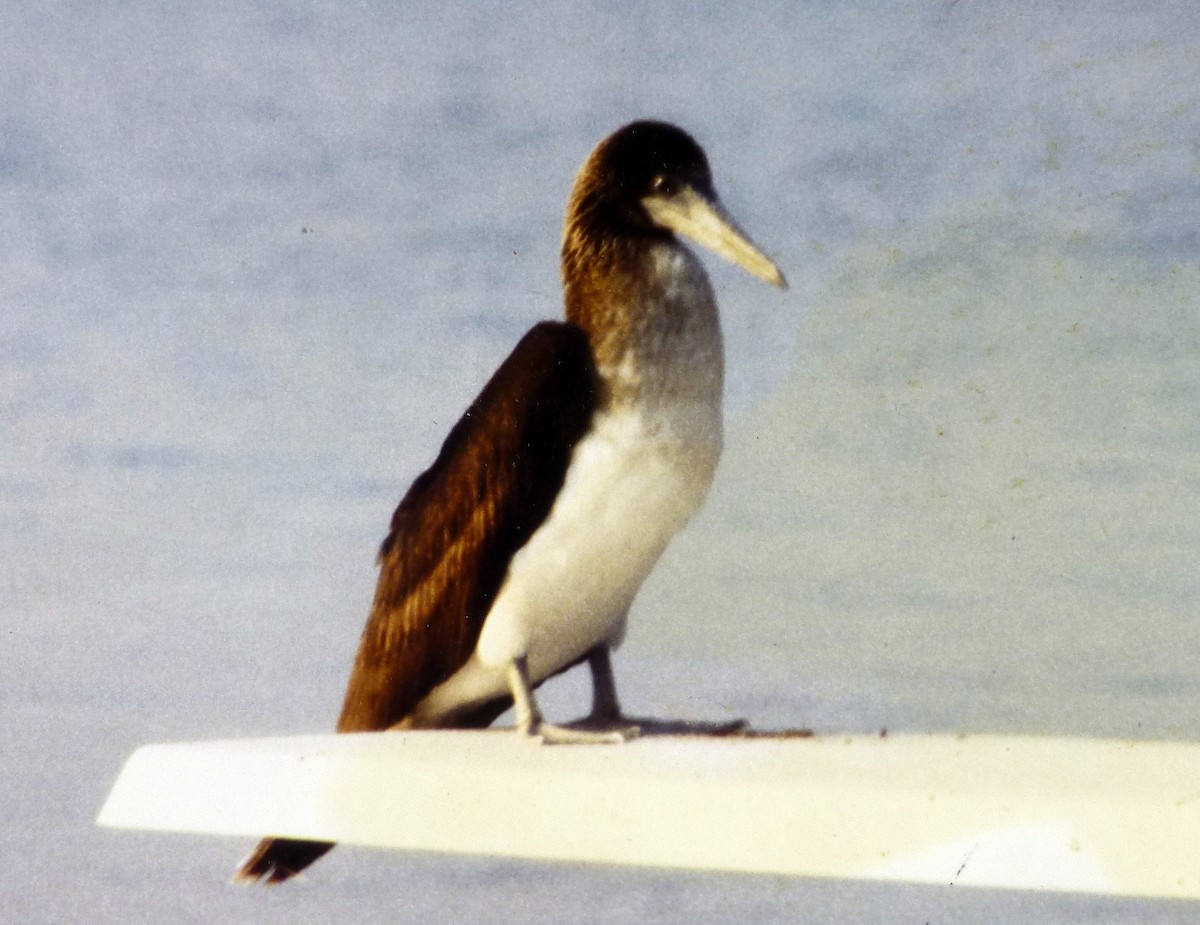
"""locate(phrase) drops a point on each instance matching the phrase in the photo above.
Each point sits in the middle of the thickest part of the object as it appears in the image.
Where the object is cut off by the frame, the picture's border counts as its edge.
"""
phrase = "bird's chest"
(640, 474)
(632, 483)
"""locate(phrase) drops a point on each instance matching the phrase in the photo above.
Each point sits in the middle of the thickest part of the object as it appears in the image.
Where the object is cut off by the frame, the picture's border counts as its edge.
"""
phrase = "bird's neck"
(650, 314)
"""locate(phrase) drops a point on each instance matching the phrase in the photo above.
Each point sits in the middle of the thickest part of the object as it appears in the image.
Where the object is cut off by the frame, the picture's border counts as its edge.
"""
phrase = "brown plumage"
(461, 522)
(450, 543)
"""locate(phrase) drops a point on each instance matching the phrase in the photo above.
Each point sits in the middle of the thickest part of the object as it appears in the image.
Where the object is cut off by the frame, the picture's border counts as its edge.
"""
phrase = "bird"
(517, 554)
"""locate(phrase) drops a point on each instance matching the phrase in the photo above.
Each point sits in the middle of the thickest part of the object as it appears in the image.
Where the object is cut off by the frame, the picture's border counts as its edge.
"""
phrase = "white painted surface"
(1075, 815)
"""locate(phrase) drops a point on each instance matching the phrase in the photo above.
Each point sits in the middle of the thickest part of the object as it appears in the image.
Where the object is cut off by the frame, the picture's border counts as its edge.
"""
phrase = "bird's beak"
(702, 220)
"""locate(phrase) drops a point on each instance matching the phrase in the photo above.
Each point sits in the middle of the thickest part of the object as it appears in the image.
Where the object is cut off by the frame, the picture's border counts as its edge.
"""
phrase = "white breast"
(630, 487)
(569, 588)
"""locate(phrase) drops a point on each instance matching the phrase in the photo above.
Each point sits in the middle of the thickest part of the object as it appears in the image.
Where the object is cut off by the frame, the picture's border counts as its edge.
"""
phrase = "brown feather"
(450, 543)
(453, 535)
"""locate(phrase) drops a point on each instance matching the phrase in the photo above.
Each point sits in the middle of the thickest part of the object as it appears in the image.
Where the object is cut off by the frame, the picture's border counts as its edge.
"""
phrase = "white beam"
(1027, 813)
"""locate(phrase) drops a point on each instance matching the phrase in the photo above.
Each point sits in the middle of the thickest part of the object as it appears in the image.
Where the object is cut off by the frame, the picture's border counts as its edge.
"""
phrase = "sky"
(257, 257)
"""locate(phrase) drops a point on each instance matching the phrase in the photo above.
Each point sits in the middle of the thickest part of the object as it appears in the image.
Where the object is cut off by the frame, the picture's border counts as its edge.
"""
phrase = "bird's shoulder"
(513, 439)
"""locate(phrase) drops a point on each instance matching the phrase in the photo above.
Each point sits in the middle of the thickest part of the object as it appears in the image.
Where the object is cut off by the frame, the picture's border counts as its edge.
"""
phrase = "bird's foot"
(613, 724)
(580, 734)
(683, 727)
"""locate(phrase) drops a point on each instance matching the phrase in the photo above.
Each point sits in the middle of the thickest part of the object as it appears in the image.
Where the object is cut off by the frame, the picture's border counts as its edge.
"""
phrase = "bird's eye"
(663, 185)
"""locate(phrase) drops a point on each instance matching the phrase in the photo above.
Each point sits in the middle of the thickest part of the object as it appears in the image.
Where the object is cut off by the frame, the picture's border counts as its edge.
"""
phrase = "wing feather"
(463, 519)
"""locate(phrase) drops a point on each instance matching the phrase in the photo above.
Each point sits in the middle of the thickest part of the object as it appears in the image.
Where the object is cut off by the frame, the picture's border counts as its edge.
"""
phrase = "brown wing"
(455, 532)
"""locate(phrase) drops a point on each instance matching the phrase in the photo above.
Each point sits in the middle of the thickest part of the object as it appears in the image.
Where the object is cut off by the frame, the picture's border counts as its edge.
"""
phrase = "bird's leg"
(606, 710)
(605, 706)
(529, 718)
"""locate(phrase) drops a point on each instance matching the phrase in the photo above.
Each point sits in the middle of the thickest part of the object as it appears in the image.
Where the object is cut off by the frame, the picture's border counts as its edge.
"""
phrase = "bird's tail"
(278, 859)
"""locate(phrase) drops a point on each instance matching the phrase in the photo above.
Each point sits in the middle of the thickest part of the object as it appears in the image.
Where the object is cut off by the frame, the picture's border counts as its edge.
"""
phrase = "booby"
(518, 553)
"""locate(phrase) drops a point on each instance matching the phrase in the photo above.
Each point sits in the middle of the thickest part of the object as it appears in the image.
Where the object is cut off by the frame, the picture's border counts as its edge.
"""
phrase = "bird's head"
(651, 178)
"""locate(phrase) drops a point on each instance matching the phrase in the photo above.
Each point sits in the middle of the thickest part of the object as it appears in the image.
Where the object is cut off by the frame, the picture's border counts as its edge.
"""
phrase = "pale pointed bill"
(688, 213)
